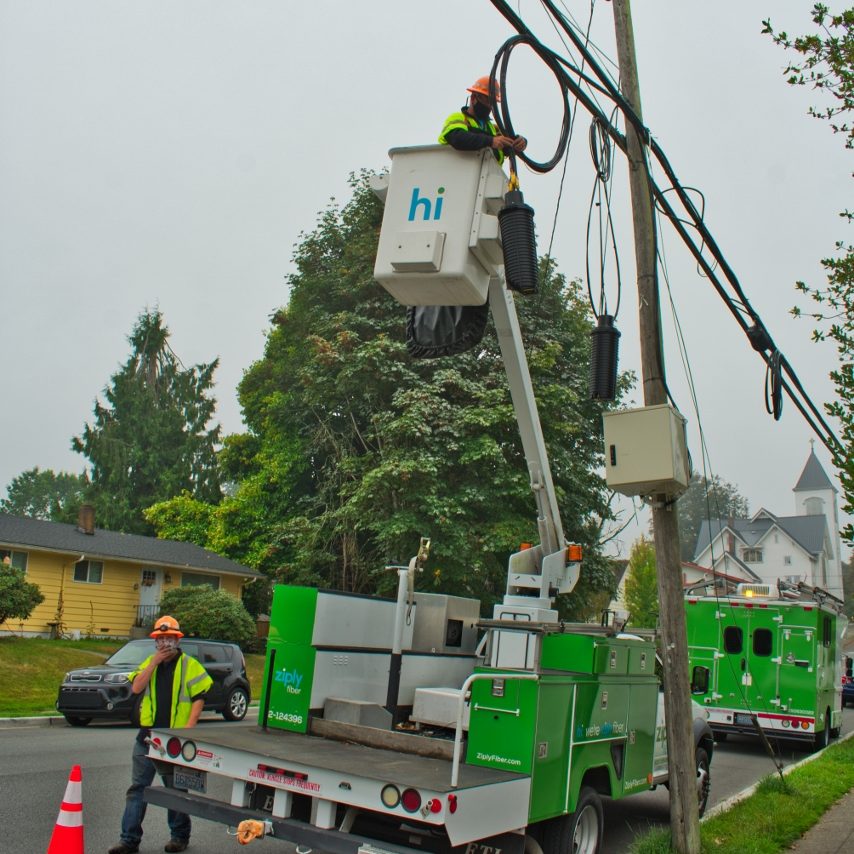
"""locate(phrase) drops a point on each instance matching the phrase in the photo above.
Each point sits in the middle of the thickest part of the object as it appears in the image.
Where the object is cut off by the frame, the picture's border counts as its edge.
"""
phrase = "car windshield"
(131, 654)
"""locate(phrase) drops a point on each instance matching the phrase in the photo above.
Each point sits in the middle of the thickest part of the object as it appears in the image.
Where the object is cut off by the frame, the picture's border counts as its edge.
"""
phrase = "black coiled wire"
(501, 110)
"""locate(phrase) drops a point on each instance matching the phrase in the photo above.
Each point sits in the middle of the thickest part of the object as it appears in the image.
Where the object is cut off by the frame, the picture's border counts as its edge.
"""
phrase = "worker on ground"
(173, 687)
(471, 129)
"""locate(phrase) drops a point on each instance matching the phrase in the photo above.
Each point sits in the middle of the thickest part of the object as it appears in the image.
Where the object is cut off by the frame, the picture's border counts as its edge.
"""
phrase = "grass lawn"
(779, 812)
(31, 670)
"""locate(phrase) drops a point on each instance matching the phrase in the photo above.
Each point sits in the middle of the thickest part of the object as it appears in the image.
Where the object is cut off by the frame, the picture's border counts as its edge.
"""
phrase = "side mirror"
(700, 680)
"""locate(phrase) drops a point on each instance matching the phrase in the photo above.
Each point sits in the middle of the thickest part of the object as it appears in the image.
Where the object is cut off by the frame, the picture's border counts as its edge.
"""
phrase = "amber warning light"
(573, 553)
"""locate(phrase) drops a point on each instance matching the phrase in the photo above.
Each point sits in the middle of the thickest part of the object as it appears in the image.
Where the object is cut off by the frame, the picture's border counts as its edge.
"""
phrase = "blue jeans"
(142, 775)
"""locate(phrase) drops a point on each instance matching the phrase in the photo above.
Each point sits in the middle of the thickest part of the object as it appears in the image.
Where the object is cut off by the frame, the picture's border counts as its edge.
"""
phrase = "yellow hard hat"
(165, 627)
(481, 87)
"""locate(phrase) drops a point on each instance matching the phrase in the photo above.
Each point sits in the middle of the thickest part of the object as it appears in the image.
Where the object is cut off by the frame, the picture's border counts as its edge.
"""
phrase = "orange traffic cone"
(68, 832)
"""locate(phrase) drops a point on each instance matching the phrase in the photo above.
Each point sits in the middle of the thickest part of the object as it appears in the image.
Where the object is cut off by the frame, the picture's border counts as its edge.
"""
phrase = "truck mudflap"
(373, 786)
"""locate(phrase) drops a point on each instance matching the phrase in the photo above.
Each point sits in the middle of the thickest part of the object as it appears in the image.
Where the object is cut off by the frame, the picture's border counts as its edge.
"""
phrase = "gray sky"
(169, 154)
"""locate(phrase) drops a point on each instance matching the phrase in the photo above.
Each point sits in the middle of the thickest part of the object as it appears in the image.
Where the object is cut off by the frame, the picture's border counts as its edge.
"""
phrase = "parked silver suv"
(104, 691)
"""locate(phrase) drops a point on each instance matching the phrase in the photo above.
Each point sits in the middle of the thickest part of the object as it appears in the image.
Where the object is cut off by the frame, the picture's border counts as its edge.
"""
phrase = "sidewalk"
(834, 831)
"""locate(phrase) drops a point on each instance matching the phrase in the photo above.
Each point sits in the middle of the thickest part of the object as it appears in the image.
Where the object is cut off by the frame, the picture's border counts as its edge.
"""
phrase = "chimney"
(86, 519)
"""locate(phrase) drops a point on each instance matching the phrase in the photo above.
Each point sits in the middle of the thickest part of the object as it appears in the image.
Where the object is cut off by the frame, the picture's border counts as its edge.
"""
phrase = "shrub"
(18, 598)
(205, 612)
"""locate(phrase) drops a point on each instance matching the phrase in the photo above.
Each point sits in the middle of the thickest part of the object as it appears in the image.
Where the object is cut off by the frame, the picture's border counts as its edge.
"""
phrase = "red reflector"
(411, 800)
(452, 804)
(435, 805)
(748, 604)
(692, 601)
(173, 746)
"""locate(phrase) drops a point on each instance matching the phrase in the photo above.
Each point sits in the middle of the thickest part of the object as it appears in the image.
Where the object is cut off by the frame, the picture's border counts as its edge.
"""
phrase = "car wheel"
(75, 720)
(579, 833)
(704, 779)
(236, 705)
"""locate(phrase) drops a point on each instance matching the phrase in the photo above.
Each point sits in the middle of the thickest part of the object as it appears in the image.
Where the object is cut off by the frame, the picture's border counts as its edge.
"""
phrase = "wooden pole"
(684, 819)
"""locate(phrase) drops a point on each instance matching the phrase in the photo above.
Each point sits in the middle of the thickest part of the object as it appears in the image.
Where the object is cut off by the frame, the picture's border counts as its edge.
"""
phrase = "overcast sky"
(169, 153)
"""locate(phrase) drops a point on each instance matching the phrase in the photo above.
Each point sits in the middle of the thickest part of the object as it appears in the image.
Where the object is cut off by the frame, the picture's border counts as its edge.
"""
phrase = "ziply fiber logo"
(291, 679)
(427, 208)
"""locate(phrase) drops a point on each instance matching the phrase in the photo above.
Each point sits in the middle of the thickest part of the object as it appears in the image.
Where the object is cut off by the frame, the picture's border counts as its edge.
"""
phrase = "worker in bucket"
(158, 678)
(471, 129)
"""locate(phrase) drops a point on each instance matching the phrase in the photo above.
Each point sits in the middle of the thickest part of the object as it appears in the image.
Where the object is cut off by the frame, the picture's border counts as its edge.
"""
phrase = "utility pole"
(684, 818)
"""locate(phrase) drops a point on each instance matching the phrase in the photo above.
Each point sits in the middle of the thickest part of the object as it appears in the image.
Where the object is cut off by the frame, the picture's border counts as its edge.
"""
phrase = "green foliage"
(372, 449)
(826, 64)
(641, 590)
(151, 440)
(705, 500)
(18, 598)
(205, 612)
(45, 495)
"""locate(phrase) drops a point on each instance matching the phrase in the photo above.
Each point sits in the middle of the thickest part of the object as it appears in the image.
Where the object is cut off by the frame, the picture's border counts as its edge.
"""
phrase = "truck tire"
(704, 779)
(580, 832)
(822, 739)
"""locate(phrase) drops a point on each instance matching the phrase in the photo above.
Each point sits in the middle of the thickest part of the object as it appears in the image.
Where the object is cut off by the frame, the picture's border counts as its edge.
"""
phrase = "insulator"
(516, 221)
(604, 346)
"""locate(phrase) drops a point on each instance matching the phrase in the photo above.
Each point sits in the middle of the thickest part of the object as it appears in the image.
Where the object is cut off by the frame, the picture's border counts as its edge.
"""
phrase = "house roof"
(23, 532)
(813, 476)
(807, 531)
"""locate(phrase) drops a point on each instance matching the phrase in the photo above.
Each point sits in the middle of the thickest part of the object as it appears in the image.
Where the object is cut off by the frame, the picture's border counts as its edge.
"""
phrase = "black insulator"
(604, 346)
(516, 221)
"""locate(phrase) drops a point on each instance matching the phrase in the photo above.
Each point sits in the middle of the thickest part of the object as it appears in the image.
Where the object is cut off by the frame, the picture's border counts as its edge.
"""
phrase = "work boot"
(176, 845)
(125, 848)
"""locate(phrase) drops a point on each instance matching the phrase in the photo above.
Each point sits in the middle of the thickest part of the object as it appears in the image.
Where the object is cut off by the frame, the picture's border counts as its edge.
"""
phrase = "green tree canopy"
(825, 63)
(151, 440)
(641, 590)
(706, 499)
(374, 449)
(18, 597)
(45, 495)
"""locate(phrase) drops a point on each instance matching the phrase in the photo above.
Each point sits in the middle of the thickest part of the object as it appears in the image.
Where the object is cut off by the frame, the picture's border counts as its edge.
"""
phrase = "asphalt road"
(35, 763)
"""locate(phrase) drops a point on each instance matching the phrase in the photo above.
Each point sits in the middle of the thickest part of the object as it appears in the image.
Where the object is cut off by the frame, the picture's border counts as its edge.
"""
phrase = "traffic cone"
(68, 832)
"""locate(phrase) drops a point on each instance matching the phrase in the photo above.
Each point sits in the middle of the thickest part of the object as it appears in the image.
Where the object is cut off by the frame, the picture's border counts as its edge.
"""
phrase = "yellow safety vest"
(462, 121)
(189, 679)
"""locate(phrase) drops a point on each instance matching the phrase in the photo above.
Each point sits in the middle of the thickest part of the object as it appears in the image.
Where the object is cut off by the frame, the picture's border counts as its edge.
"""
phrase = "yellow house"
(102, 583)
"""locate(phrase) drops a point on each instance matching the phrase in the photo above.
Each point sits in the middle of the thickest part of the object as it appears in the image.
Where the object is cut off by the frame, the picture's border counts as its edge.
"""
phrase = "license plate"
(744, 720)
(191, 780)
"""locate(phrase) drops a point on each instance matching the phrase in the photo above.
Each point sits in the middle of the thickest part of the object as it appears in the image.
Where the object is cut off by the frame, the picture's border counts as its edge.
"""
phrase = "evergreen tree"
(45, 495)
(151, 439)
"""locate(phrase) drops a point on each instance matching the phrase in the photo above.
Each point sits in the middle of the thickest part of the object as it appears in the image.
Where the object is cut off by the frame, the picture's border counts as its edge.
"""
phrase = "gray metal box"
(646, 451)
(445, 623)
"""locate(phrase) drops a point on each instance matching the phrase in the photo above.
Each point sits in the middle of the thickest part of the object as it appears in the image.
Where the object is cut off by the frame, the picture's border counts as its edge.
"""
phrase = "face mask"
(481, 111)
(170, 644)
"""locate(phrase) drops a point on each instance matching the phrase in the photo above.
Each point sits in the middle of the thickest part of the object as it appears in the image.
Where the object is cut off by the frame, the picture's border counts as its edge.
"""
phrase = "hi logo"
(291, 679)
(429, 208)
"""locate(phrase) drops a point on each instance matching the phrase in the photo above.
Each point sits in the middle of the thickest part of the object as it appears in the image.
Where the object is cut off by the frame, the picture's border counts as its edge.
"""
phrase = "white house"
(805, 547)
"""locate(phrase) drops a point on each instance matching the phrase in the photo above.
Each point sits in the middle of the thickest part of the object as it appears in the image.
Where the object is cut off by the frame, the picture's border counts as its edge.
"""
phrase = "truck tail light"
(173, 746)
(411, 800)
(390, 796)
(452, 803)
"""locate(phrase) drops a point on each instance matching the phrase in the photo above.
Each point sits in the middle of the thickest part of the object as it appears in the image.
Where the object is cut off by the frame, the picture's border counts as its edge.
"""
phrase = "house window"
(89, 571)
(787, 560)
(752, 555)
(814, 506)
(149, 577)
(196, 579)
(13, 558)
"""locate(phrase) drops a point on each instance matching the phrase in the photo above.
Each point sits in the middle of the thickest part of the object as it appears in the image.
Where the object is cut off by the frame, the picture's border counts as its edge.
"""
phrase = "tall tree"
(45, 495)
(706, 499)
(377, 449)
(826, 64)
(151, 440)
(641, 588)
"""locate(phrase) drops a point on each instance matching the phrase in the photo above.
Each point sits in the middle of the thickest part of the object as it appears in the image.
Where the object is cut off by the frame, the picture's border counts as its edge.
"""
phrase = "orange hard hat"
(165, 627)
(481, 87)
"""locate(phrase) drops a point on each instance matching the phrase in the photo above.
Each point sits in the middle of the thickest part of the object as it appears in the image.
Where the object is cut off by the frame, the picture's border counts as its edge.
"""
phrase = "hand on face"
(167, 648)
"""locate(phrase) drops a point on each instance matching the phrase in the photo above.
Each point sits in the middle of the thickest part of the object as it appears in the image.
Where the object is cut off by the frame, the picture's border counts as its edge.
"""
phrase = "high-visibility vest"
(189, 679)
(463, 121)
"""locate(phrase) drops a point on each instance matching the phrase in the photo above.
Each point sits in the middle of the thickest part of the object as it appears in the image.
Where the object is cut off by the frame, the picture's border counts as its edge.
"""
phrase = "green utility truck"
(768, 658)
(412, 724)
